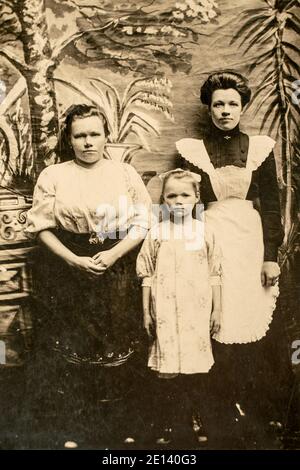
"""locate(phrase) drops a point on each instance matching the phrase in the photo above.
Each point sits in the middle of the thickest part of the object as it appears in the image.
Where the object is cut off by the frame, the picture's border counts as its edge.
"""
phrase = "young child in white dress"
(179, 264)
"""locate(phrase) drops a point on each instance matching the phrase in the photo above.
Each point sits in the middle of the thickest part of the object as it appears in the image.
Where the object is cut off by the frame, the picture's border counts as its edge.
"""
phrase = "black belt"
(91, 242)
(91, 238)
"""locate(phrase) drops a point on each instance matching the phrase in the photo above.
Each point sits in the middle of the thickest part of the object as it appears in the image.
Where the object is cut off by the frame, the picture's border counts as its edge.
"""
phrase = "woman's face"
(88, 140)
(226, 109)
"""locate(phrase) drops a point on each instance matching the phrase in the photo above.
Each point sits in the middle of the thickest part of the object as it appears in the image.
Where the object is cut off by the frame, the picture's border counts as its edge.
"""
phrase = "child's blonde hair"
(180, 174)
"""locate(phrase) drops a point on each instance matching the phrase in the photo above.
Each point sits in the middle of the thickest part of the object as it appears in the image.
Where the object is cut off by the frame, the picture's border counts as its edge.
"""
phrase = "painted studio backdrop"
(143, 64)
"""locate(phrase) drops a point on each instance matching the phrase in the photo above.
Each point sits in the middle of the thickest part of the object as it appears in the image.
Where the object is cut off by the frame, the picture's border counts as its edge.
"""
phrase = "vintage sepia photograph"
(149, 225)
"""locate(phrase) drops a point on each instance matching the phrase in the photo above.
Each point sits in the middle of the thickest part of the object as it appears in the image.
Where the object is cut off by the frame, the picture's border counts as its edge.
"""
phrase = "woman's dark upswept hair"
(64, 149)
(224, 80)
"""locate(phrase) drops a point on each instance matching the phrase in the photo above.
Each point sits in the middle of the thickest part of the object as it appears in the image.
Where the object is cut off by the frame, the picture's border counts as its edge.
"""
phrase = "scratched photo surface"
(143, 309)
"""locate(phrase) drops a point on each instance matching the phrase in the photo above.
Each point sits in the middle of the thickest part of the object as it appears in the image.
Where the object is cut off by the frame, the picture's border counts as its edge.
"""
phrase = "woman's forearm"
(127, 244)
(270, 208)
(83, 263)
(47, 238)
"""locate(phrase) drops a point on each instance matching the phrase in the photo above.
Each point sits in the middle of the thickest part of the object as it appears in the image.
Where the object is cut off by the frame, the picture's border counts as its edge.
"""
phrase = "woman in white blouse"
(89, 215)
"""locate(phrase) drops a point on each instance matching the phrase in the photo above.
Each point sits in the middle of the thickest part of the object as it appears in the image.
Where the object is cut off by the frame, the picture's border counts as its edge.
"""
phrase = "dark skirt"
(95, 321)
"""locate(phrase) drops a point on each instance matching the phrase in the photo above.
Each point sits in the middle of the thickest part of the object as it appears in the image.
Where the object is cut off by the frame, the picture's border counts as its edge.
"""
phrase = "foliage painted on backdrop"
(275, 27)
(129, 114)
(131, 36)
(16, 156)
(147, 34)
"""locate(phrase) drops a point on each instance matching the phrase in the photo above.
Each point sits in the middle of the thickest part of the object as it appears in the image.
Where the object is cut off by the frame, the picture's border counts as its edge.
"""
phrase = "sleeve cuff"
(271, 252)
(147, 282)
(136, 232)
(32, 232)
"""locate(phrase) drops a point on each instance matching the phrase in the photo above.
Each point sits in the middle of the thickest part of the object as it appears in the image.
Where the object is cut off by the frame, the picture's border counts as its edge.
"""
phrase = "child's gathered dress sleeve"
(146, 260)
(41, 215)
(214, 258)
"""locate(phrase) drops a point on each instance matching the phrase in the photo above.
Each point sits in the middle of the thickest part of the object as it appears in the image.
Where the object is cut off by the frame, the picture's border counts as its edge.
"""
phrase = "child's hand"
(149, 325)
(215, 321)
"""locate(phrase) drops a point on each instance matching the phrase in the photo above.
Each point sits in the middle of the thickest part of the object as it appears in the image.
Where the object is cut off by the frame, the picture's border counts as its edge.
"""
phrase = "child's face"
(180, 196)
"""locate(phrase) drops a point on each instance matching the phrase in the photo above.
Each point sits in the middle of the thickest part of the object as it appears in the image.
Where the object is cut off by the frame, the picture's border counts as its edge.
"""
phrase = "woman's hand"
(87, 265)
(215, 321)
(105, 259)
(269, 273)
